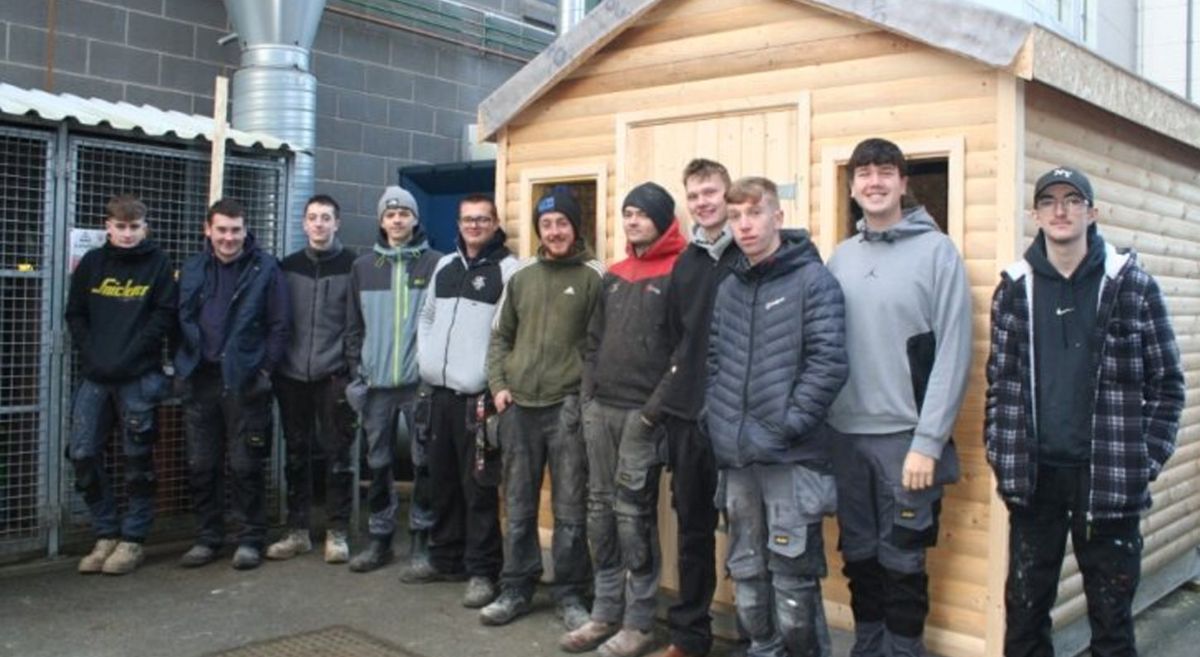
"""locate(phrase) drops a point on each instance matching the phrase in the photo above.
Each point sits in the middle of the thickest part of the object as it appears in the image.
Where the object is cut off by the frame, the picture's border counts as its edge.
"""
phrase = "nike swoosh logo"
(1062, 311)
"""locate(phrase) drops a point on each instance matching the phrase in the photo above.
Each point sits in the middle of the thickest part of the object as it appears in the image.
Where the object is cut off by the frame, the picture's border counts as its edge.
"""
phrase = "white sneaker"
(294, 542)
(337, 549)
(94, 562)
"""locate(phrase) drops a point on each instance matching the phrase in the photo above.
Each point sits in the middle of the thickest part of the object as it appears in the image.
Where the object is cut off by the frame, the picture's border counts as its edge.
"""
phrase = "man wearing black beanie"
(626, 355)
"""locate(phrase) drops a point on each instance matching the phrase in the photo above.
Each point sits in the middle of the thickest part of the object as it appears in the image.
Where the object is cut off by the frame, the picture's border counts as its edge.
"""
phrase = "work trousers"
(95, 407)
(623, 466)
(466, 526)
(384, 411)
(1109, 553)
(220, 422)
(316, 412)
(777, 555)
(530, 439)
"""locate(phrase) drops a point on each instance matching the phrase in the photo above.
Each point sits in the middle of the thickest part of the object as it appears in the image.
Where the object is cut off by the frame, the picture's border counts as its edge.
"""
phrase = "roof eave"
(1072, 69)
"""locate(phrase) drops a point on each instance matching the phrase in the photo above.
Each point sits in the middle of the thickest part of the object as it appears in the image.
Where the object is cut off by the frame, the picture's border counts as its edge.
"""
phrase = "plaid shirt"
(1138, 389)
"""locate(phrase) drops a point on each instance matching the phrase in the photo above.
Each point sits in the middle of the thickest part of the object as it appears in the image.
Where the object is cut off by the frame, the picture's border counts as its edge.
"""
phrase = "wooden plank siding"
(863, 82)
(1148, 195)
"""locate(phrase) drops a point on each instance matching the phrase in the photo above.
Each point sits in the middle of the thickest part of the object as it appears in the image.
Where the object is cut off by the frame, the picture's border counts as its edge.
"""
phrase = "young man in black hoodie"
(311, 384)
(676, 403)
(1085, 391)
(234, 323)
(120, 307)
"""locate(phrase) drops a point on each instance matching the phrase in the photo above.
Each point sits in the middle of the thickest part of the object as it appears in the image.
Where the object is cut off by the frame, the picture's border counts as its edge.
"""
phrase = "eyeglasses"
(476, 220)
(1071, 203)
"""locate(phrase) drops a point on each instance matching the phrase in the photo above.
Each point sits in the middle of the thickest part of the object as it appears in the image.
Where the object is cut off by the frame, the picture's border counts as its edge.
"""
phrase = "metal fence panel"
(173, 183)
(26, 185)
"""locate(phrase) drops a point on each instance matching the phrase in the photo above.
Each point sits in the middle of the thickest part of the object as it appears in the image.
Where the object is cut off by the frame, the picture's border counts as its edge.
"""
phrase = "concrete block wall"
(385, 97)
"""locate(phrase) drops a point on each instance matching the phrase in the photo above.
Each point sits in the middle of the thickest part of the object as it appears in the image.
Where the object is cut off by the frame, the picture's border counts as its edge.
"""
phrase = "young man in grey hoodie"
(908, 336)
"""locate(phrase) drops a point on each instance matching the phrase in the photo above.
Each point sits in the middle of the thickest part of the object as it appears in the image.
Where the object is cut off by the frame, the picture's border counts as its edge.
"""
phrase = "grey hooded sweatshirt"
(908, 332)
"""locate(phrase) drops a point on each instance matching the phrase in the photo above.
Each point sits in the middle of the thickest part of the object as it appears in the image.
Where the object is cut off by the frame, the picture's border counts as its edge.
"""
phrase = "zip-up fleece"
(387, 288)
(627, 346)
(536, 351)
(1138, 382)
(120, 307)
(457, 316)
(691, 292)
(319, 285)
(903, 285)
(776, 358)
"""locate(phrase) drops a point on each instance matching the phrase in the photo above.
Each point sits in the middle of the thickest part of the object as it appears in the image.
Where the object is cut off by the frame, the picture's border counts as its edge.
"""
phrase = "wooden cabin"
(982, 102)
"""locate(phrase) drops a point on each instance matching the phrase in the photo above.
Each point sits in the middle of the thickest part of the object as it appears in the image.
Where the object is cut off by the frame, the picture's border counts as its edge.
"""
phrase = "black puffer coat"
(776, 358)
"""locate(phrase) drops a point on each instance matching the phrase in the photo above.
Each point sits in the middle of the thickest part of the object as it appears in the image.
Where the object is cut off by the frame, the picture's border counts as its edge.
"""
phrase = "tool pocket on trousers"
(915, 519)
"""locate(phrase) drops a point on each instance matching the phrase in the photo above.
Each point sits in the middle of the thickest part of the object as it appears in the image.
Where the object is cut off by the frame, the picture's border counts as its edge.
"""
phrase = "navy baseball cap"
(1065, 176)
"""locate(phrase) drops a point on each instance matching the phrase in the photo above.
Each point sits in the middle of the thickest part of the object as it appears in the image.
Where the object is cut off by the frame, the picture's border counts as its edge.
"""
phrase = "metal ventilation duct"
(273, 91)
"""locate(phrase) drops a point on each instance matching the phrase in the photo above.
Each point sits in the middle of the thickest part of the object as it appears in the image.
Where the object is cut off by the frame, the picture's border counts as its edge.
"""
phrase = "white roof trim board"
(962, 28)
(123, 116)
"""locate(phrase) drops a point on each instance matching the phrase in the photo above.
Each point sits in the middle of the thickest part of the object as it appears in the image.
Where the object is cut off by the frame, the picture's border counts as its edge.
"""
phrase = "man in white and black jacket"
(453, 333)
(311, 381)
(1085, 391)
(776, 360)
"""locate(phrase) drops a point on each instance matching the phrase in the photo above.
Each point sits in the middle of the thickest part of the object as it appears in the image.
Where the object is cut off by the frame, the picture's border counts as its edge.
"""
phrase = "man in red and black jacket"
(627, 352)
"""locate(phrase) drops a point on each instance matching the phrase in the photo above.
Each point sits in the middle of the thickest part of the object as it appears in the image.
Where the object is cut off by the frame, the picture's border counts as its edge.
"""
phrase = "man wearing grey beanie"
(387, 289)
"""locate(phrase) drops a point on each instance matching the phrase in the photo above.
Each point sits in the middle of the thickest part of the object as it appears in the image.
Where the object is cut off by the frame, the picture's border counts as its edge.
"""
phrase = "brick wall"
(385, 97)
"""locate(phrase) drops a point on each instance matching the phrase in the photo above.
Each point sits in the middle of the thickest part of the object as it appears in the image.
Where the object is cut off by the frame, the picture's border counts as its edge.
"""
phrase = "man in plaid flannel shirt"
(1084, 395)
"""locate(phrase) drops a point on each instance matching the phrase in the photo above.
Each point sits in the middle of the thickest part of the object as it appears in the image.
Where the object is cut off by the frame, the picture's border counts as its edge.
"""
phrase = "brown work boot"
(94, 561)
(627, 643)
(125, 559)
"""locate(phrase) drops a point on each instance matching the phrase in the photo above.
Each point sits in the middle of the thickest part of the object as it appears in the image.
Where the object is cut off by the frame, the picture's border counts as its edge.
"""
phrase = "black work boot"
(377, 553)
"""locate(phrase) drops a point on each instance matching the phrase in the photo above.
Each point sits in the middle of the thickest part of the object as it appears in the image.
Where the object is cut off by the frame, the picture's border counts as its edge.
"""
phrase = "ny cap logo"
(1065, 173)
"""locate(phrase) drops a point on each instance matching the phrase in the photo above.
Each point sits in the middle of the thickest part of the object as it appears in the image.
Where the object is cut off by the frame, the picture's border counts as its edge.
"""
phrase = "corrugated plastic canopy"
(123, 116)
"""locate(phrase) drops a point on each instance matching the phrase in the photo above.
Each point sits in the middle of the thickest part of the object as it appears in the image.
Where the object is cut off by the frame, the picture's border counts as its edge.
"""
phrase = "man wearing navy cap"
(1084, 395)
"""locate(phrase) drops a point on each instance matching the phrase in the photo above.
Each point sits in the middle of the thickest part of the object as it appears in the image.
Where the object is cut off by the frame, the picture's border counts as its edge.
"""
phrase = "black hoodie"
(120, 307)
(1065, 348)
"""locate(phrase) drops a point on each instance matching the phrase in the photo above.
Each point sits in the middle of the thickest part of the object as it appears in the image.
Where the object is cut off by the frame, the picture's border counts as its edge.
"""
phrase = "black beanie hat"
(559, 199)
(655, 201)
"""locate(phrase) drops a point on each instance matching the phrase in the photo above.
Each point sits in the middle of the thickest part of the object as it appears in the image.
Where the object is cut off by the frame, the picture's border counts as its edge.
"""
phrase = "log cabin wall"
(1148, 195)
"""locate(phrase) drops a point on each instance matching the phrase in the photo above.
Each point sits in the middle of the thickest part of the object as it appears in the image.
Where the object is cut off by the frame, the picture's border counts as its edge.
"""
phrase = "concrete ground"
(47, 610)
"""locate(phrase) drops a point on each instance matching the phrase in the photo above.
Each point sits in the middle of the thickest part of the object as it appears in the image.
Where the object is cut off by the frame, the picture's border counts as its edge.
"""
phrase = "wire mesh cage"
(173, 184)
(25, 186)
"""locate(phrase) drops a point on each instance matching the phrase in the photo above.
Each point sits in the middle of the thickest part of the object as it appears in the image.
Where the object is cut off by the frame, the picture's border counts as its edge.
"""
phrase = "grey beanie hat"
(396, 196)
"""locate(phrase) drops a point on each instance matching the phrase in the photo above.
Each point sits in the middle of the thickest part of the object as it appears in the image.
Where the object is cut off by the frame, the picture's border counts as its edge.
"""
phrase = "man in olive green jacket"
(535, 364)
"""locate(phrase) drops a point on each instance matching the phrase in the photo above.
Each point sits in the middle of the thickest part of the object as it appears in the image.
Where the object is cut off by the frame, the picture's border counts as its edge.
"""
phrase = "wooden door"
(765, 136)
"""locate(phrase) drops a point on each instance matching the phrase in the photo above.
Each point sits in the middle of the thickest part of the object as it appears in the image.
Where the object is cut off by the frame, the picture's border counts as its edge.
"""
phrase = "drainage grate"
(336, 641)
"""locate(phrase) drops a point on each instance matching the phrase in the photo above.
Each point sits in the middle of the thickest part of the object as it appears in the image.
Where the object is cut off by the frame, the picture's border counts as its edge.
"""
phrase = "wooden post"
(216, 174)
